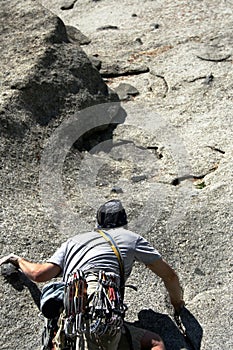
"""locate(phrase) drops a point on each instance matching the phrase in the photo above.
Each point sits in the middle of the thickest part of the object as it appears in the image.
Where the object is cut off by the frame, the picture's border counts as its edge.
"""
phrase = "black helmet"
(111, 214)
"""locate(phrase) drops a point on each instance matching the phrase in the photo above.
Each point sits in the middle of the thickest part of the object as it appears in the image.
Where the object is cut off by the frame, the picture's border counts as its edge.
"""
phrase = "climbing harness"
(106, 308)
(99, 312)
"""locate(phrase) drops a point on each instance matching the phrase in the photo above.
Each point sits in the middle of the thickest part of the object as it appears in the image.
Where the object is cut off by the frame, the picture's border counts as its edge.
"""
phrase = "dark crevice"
(216, 149)
(179, 179)
(165, 83)
(107, 27)
(156, 151)
(207, 79)
(115, 74)
(69, 5)
(222, 59)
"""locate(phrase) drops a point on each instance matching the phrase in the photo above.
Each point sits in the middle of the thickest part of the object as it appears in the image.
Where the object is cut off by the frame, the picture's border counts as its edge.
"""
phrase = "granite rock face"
(170, 159)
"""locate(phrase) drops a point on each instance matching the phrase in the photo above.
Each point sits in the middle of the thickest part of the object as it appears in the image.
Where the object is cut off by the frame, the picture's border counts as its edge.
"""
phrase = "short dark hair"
(111, 214)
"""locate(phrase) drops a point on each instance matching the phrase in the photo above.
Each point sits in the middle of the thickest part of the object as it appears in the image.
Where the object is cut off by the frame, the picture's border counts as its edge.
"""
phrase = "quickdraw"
(102, 312)
(106, 310)
(75, 301)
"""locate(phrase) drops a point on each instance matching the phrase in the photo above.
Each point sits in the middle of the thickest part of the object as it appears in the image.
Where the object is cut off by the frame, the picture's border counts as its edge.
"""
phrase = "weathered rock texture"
(171, 159)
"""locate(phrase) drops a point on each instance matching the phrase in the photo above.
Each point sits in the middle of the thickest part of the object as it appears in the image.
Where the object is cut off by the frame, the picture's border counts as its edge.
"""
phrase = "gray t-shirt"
(91, 252)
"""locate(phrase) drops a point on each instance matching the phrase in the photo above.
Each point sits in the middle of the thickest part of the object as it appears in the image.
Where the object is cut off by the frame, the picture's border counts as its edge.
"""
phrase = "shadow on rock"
(19, 281)
(98, 135)
(172, 336)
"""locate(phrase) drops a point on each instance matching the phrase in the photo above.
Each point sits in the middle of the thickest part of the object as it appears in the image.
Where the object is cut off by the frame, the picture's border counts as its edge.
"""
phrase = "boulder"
(126, 91)
(44, 73)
